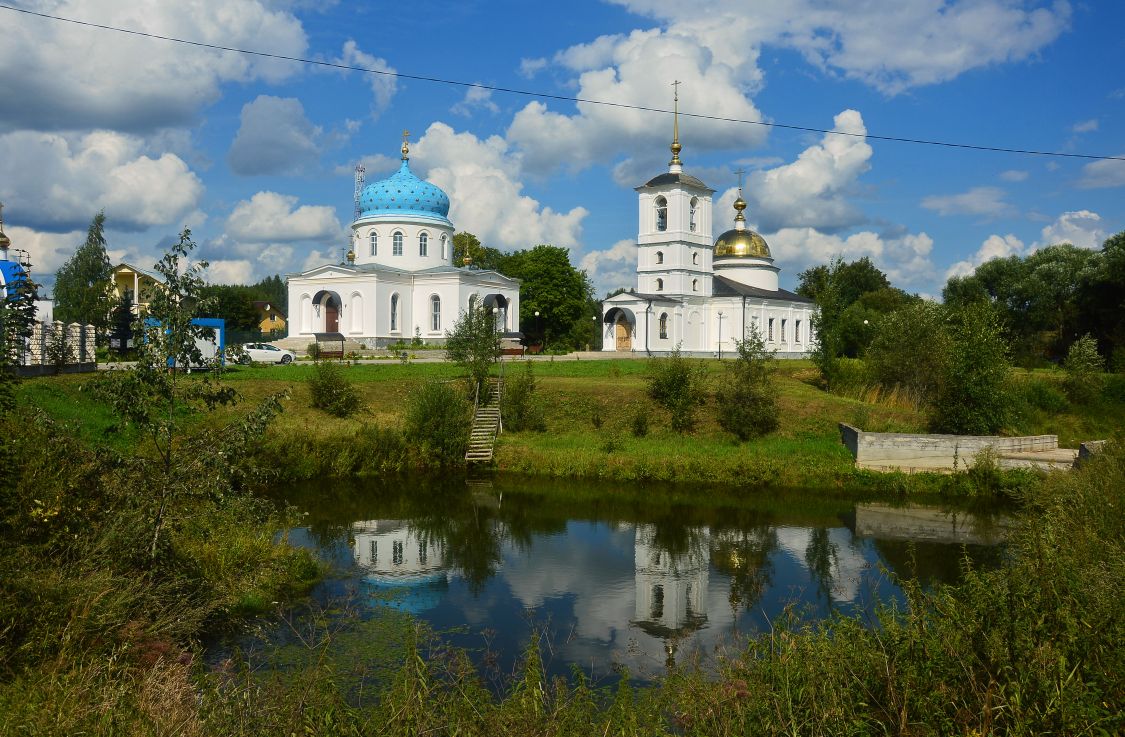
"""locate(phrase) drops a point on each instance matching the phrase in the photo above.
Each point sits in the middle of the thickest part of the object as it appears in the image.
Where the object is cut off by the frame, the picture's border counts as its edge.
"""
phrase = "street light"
(720, 335)
(594, 331)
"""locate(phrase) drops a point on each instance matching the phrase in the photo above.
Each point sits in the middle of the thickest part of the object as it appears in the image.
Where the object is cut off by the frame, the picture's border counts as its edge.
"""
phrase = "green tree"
(17, 316)
(467, 244)
(233, 303)
(746, 401)
(1084, 367)
(974, 396)
(474, 343)
(1102, 297)
(561, 294)
(153, 397)
(272, 289)
(677, 384)
(82, 285)
(910, 350)
(437, 422)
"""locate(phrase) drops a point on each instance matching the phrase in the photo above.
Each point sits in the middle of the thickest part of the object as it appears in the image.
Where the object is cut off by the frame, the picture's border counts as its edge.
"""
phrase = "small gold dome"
(741, 243)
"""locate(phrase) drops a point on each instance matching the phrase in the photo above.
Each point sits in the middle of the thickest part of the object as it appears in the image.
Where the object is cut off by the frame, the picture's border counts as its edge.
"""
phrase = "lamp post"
(594, 332)
(720, 335)
(538, 331)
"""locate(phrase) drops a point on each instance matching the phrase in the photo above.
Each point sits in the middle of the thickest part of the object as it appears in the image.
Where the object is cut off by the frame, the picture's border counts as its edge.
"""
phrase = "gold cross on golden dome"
(676, 147)
(405, 144)
(740, 173)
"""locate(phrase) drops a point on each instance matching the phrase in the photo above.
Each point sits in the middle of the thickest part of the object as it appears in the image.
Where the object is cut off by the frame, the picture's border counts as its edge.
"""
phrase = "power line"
(550, 96)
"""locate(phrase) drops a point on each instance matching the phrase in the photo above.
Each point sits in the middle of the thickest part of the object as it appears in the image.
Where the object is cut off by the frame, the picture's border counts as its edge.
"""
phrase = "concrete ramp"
(914, 452)
(926, 524)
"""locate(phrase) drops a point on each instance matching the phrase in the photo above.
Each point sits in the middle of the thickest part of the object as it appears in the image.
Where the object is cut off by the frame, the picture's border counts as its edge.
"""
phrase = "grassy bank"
(591, 407)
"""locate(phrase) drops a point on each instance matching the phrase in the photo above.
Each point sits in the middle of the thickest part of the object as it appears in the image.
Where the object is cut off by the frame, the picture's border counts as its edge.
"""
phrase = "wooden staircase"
(486, 424)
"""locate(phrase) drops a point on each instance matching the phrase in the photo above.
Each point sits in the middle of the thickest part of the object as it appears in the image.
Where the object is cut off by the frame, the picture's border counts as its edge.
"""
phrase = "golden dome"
(741, 243)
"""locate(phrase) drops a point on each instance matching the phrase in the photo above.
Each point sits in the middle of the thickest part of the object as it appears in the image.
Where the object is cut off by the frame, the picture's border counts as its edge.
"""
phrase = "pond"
(617, 575)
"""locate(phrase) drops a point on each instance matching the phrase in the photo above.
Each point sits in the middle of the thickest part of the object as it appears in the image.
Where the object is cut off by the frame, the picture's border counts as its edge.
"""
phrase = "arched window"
(394, 312)
(664, 326)
(695, 285)
(423, 243)
(695, 257)
(473, 300)
(660, 285)
(660, 257)
(797, 331)
(694, 208)
(435, 313)
(444, 252)
(661, 214)
(396, 244)
(374, 243)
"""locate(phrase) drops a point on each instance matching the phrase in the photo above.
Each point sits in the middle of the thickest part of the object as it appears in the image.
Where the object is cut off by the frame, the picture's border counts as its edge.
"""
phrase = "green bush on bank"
(331, 391)
(520, 406)
(438, 417)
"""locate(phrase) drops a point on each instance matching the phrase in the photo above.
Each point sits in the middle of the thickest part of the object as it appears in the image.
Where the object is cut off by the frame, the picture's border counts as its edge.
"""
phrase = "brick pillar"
(90, 343)
(73, 342)
(35, 349)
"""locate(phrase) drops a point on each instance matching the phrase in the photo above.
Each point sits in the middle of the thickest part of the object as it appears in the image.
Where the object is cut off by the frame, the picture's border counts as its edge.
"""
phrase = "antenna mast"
(360, 177)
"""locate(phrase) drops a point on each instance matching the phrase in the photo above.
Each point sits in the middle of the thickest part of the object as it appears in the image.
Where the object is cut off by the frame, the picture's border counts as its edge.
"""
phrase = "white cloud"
(904, 258)
(811, 191)
(476, 98)
(226, 271)
(1014, 175)
(48, 251)
(985, 201)
(269, 217)
(612, 267)
(383, 86)
(530, 67)
(636, 69)
(1081, 228)
(63, 181)
(1104, 173)
(995, 246)
(482, 179)
(274, 138)
(61, 73)
(1085, 126)
(864, 40)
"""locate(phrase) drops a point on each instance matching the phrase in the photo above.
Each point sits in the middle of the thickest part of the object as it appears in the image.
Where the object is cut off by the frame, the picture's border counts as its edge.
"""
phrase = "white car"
(266, 353)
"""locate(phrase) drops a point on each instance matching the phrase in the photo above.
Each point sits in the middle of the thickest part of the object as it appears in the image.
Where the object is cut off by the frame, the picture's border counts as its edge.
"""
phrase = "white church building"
(399, 281)
(698, 293)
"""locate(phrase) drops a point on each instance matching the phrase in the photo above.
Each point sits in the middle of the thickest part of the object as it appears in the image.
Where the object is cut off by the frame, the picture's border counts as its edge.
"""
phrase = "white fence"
(58, 347)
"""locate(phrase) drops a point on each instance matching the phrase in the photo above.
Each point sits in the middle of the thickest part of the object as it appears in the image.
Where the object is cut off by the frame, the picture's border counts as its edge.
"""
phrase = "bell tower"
(674, 227)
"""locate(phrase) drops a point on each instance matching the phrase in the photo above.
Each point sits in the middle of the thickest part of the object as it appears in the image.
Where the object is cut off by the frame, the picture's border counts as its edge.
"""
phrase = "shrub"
(438, 417)
(331, 391)
(746, 401)
(1084, 368)
(1114, 389)
(974, 396)
(676, 383)
(313, 351)
(1117, 360)
(640, 423)
(520, 407)
(474, 342)
(910, 350)
(596, 418)
(1045, 396)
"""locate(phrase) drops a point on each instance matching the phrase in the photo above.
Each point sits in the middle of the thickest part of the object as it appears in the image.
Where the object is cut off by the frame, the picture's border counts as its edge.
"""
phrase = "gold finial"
(5, 241)
(405, 145)
(351, 256)
(676, 147)
(740, 204)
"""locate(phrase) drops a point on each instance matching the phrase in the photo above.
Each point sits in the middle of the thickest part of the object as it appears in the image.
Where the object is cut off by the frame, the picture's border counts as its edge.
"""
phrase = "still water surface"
(619, 575)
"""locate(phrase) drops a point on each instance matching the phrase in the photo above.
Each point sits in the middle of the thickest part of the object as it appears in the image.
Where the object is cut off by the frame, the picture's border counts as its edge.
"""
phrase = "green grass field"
(590, 406)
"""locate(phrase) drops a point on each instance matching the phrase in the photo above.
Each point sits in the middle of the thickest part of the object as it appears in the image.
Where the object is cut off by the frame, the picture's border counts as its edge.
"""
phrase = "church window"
(694, 208)
(695, 257)
(374, 551)
(374, 243)
(423, 244)
(660, 257)
(783, 330)
(657, 610)
(664, 326)
(444, 252)
(797, 332)
(660, 285)
(396, 552)
(661, 214)
(394, 312)
(769, 333)
(396, 244)
(422, 553)
(695, 285)
(435, 310)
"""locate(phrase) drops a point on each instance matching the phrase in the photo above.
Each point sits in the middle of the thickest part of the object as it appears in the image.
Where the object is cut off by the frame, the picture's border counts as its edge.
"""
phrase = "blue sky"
(256, 155)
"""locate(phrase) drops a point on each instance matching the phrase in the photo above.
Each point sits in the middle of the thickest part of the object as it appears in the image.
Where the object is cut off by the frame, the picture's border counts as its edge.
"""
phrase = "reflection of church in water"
(409, 568)
(671, 589)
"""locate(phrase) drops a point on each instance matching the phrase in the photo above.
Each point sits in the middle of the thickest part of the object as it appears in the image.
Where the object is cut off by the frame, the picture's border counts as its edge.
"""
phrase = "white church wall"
(410, 259)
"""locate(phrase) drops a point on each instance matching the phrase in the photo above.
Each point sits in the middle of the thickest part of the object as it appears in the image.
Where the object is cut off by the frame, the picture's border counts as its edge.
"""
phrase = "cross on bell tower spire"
(675, 165)
(406, 145)
(740, 204)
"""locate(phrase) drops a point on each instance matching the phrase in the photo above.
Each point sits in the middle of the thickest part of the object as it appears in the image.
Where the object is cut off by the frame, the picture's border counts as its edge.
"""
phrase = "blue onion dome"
(403, 193)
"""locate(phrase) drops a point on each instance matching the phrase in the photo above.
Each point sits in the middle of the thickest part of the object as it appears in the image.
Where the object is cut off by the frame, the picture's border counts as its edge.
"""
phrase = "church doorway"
(331, 316)
(624, 335)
